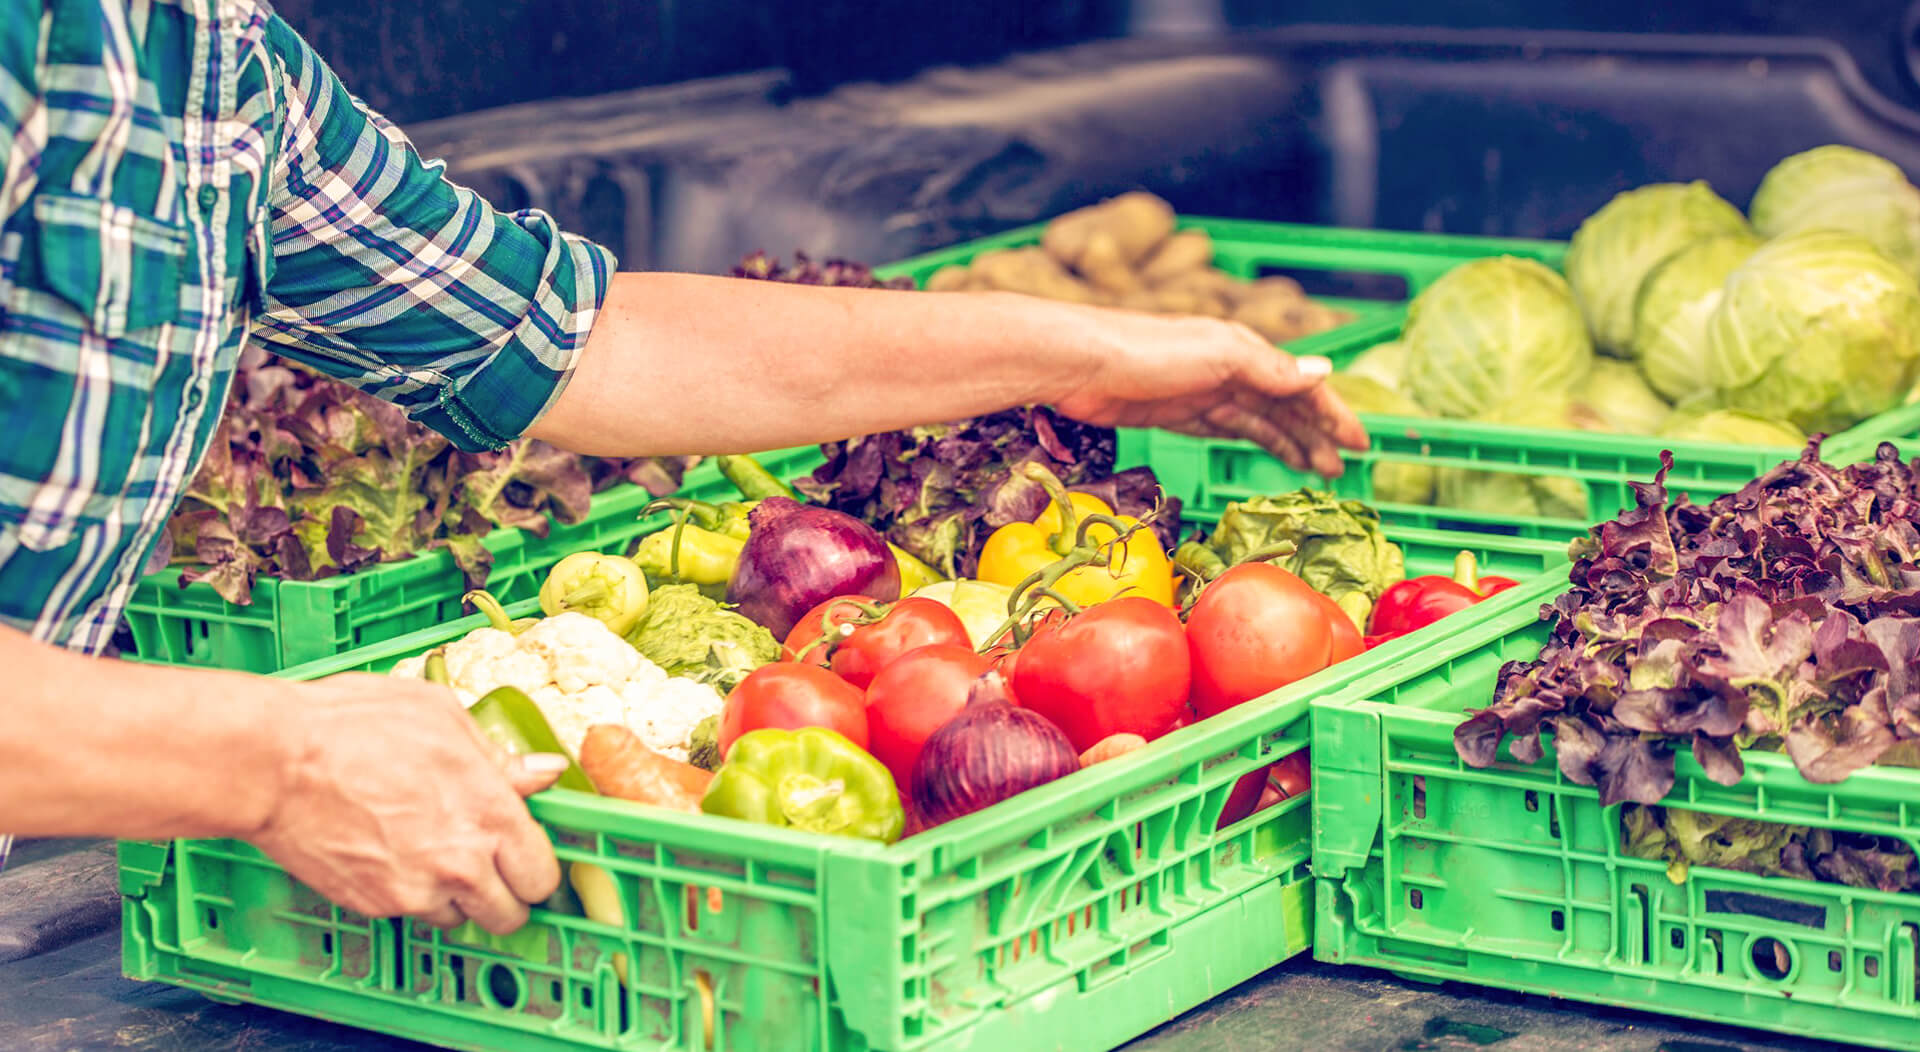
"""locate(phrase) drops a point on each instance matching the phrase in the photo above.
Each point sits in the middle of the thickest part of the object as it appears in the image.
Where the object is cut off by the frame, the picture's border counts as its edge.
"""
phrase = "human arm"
(377, 792)
(680, 363)
(393, 278)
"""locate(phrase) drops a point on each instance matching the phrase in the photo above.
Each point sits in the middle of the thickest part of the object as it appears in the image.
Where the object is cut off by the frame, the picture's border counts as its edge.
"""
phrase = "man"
(183, 174)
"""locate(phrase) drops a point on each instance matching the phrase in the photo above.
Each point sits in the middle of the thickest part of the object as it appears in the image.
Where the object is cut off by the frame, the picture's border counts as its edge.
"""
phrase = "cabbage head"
(1513, 493)
(1818, 328)
(1618, 246)
(1395, 482)
(1676, 301)
(1617, 393)
(1841, 188)
(1383, 363)
(1732, 427)
(1491, 332)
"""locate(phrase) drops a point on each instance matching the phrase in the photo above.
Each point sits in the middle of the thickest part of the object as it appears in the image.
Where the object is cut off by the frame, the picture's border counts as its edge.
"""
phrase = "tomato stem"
(865, 613)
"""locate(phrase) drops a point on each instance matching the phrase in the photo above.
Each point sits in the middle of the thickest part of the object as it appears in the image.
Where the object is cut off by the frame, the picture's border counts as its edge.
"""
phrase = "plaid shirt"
(179, 175)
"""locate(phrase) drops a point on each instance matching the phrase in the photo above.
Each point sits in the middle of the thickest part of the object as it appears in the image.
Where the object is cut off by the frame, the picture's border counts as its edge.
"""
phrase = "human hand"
(1216, 379)
(396, 804)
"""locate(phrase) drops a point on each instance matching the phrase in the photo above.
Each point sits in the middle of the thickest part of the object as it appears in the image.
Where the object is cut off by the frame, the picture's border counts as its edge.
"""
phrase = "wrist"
(1063, 346)
(270, 731)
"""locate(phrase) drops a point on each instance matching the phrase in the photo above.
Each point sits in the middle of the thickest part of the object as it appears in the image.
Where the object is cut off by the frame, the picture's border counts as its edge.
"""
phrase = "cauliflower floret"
(664, 712)
(468, 656)
(579, 673)
(581, 651)
(411, 668)
(575, 712)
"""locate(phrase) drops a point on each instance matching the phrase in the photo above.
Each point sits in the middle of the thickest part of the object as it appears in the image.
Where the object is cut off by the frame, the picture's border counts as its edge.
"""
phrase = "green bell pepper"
(812, 779)
(515, 723)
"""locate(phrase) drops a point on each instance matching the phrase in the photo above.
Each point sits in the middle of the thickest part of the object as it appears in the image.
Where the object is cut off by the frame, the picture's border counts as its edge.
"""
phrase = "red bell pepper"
(1417, 602)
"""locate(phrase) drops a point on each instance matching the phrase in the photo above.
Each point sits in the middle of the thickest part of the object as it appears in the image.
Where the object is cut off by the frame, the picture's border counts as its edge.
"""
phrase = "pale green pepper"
(607, 588)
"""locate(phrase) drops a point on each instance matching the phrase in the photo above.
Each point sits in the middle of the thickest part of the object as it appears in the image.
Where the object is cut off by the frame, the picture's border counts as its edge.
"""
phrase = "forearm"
(96, 747)
(688, 364)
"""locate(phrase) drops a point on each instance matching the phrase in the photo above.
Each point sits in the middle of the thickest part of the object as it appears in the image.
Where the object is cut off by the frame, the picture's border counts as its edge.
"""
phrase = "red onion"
(798, 556)
(992, 750)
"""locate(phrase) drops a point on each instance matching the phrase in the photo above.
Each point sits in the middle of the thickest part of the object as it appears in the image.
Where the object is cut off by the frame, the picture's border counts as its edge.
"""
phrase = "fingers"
(526, 862)
(493, 906)
(533, 773)
(446, 918)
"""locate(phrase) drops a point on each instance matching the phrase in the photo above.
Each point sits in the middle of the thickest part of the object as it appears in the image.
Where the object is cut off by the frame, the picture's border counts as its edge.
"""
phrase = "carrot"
(621, 765)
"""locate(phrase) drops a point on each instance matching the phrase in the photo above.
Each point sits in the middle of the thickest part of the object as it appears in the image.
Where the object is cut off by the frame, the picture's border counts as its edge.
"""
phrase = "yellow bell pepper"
(1137, 565)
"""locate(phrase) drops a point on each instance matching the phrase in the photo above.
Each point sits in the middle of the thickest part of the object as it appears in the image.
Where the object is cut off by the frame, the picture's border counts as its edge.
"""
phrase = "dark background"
(684, 134)
(434, 58)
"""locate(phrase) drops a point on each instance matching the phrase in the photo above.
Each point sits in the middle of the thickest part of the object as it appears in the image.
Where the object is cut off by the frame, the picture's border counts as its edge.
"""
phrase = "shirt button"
(208, 195)
(193, 398)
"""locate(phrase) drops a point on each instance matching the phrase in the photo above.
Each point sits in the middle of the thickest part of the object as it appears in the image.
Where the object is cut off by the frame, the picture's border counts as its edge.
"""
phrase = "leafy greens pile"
(1768, 849)
(308, 478)
(1781, 617)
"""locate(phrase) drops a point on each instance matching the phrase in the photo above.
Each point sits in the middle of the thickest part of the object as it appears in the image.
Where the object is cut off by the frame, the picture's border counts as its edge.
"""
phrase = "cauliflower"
(580, 673)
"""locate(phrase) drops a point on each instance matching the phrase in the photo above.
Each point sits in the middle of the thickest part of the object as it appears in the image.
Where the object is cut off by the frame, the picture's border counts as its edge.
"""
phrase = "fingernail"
(544, 763)
(1313, 367)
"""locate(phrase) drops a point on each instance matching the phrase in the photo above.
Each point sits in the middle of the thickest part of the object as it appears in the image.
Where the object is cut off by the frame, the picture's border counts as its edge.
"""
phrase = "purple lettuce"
(1785, 616)
(308, 478)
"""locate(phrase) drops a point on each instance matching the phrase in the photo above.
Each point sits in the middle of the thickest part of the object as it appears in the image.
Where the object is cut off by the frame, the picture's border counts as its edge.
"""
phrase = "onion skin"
(798, 556)
(991, 751)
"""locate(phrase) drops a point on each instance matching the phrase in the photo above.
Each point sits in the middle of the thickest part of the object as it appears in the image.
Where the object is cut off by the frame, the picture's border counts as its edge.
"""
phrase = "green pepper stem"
(752, 478)
(673, 550)
(592, 592)
(1057, 493)
(705, 513)
(436, 670)
(484, 602)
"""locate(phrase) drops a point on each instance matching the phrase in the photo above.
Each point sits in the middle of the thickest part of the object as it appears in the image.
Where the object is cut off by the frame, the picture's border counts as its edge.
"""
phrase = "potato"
(1204, 280)
(1033, 272)
(950, 279)
(1138, 222)
(1103, 268)
(1183, 253)
(1192, 301)
(1278, 286)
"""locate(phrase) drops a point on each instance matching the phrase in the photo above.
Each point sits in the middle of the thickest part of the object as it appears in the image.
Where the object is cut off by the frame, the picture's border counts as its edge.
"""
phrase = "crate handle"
(1749, 904)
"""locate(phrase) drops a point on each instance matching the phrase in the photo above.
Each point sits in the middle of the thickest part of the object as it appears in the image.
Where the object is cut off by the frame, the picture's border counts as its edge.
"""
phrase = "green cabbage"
(1841, 188)
(1818, 328)
(690, 635)
(1618, 246)
(1383, 363)
(1512, 493)
(1394, 482)
(1676, 301)
(1619, 395)
(1491, 332)
(1732, 427)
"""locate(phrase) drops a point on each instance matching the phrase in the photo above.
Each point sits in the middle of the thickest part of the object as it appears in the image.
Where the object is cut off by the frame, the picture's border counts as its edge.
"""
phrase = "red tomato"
(1259, 790)
(913, 697)
(1292, 775)
(907, 626)
(789, 696)
(1255, 629)
(808, 635)
(1346, 638)
(1120, 666)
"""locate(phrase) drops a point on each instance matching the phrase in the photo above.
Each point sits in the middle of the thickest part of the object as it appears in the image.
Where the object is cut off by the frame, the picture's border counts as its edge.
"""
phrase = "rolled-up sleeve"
(387, 276)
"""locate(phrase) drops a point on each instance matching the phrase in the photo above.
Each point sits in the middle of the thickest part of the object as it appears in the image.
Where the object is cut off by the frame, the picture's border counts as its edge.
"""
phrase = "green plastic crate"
(1366, 272)
(293, 622)
(1514, 877)
(1076, 916)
